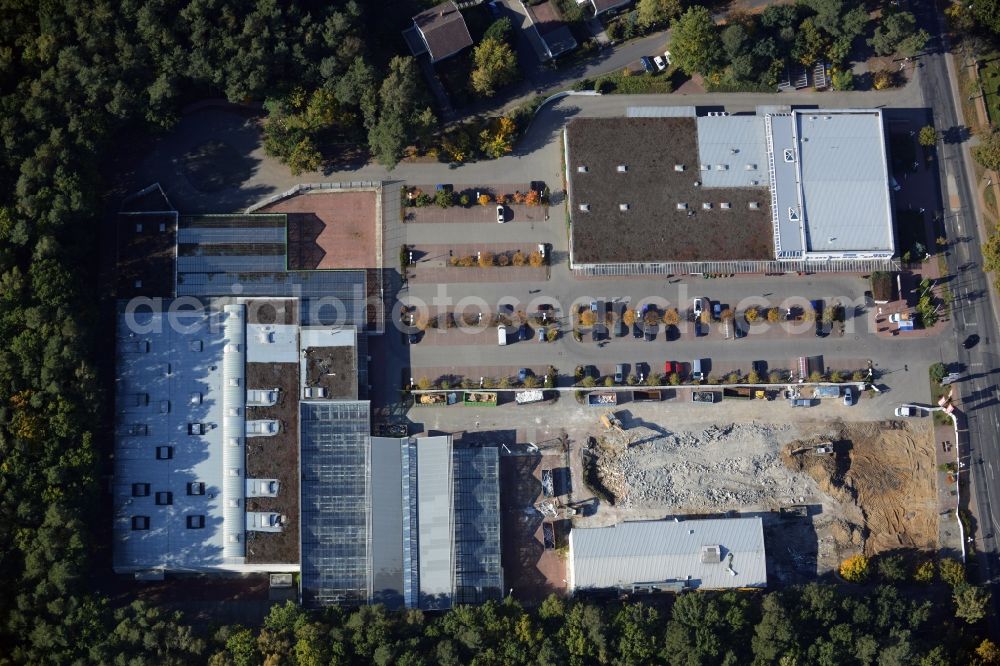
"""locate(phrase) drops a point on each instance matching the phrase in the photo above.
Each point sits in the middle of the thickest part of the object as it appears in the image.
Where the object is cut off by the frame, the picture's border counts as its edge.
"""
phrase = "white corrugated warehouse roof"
(844, 180)
(663, 551)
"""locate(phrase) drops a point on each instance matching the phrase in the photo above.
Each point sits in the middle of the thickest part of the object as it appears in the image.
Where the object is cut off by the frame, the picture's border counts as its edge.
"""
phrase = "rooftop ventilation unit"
(196, 428)
(755, 182)
(678, 167)
(195, 345)
(706, 167)
(234, 441)
(234, 471)
(793, 215)
(138, 228)
(789, 155)
(138, 284)
(697, 183)
(754, 205)
(751, 167)
(682, 206)
(711, 554)
(623, 207)
(734, 151)
(706, 206)
(725, 205)
(163, 227)
(582, 169)
(622, 168)
(722, 167)
(231, 348)
(585, 207)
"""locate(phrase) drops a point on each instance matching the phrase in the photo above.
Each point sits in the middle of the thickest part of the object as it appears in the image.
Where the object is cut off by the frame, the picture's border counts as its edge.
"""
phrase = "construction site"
(826, 490)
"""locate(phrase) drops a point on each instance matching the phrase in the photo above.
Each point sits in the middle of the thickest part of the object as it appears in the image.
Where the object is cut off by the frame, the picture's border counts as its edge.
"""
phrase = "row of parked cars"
(657, 63)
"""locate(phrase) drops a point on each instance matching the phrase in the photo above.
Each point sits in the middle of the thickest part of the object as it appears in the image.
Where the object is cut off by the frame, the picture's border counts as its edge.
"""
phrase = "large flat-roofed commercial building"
(669, 190)
(669, 556)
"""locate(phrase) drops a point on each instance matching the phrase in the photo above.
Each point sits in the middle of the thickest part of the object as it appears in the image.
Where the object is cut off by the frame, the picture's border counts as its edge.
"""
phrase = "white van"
(697, 374)
(502, 334)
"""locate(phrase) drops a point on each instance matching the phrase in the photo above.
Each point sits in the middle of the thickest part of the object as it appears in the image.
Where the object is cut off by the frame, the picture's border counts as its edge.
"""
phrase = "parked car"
(524, 333)
(636, 331)
(619, 373)
(523, 374)
(673, 367)
(760, 367)
(905, 411)
(647, 64)
(649, 332)
(660, 63)
(414, 338)
(501, 218)
(848, 396)
(971, 341)
(699, 306)
(541, 335)
(717, 311)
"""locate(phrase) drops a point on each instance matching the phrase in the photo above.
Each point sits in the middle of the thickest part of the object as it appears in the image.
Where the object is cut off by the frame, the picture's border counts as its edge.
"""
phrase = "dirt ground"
(884, 474)
(874, 493)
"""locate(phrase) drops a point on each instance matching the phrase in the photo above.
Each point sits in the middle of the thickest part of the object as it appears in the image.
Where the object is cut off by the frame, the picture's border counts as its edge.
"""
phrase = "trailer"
(602, 399)
(705, 396)
(826, 392)
(479, 399)
(738, 393)
(529, 396)
(647, 395)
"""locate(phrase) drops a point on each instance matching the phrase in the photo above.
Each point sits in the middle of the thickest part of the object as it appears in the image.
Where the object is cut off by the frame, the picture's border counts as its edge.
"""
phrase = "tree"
(987, 153)
(924, 572)
(751, 314)
(656, 12)
(496, 66)
(499, 30)
(671, 317)
(773, 315)
(938, 371)
(842, 79)
(588, 318)
(485, 259)
(500, 140)
(897, 31)
(536, 259)
(988, 652)
(734, 40)
(952, 571)
(628, 317)
(891, 568)
(444, 198)
(694, 45)
(854, 569)
(971, 602)
(928, 136)
(810, 44)
(484, 199)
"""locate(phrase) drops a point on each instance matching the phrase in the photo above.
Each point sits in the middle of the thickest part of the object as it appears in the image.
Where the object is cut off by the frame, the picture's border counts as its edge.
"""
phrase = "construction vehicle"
(610, 421)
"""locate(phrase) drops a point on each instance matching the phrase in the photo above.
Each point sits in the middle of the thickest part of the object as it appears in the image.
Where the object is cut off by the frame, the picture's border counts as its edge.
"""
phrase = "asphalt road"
(974, 314)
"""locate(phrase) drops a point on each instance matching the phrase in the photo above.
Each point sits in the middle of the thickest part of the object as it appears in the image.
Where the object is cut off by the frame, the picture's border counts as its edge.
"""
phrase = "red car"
(671, 367)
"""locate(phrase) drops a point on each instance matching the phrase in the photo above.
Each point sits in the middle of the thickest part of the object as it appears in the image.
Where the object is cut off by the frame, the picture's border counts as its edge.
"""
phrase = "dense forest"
(814, 624)
(78, 79)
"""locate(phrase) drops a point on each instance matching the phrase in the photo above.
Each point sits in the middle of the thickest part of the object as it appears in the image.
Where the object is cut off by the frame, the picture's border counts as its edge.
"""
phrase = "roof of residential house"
(444, 30)
(547, 21)
(705, 554)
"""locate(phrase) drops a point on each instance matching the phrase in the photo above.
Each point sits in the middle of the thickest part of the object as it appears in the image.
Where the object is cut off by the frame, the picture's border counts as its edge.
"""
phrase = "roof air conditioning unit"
(678, 167)
(754, 205)
(623, 207)
(138, 228)
(725, 205)
(734, 151)
(751, 167)
(682, 206)
(706, 167)
(722, 167)
(585, 207)
(697, 183)
(622, 168)
(582, 169)
(706, 206)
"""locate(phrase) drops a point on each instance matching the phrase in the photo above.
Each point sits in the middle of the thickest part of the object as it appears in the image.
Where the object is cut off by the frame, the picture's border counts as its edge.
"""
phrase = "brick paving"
(531, 573)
